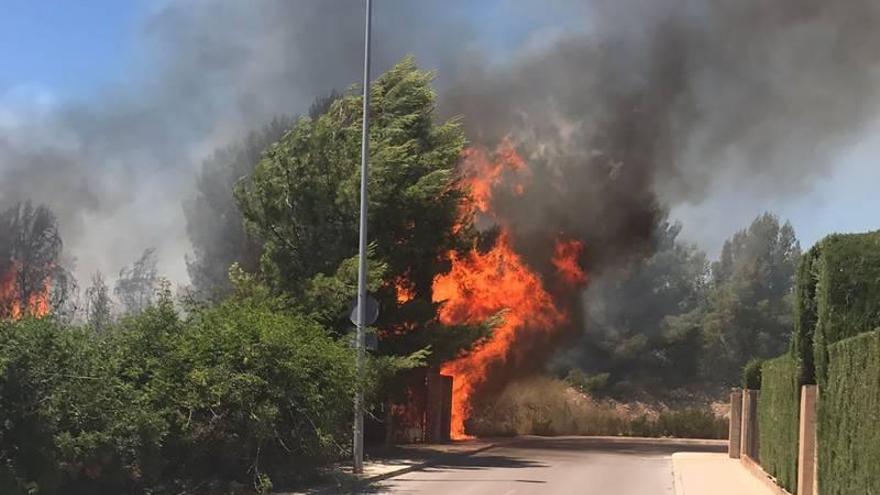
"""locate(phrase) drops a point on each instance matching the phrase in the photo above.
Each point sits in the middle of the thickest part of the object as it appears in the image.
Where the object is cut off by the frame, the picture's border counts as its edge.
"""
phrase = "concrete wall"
(749, 433)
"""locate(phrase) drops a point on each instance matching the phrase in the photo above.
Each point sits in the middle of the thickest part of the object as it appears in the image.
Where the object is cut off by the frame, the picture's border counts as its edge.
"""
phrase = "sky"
(68, 49)
(59, 52)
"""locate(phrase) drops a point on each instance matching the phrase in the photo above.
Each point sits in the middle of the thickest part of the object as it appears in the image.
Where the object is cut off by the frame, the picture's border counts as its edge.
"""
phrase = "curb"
(361, 483)
(421, 465)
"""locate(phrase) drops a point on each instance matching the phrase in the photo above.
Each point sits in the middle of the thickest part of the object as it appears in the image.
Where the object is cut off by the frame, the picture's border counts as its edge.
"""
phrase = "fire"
(480, 285)
(11, 304)
(482, 174)
(477, 287)
(404, 290)
(565, 259)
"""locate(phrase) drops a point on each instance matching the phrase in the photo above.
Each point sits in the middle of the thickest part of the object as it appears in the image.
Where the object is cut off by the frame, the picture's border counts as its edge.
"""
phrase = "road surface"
(559, 465)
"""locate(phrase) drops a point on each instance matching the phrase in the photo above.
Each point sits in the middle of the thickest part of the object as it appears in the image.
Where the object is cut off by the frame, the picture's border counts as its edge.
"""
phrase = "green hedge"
(806, 313)
(778, 413)
(849, 418)
(838, 293)
(752, 374)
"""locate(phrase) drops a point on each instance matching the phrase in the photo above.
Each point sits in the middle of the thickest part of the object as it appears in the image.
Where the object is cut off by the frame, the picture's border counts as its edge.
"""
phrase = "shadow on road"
(483, 461)
(463, 464)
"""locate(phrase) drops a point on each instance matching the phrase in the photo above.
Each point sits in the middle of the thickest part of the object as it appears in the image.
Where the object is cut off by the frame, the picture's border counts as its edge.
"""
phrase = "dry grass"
(546, 406)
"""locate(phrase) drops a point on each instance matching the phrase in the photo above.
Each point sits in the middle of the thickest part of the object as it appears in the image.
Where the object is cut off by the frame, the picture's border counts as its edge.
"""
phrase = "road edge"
(363, 482)
(422, 465)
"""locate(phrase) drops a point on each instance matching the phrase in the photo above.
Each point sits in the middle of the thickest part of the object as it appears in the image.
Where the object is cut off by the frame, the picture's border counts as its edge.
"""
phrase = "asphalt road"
(559, 465)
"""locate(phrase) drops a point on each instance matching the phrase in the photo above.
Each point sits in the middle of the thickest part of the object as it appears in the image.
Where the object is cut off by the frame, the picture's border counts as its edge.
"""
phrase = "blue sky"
(74, 47)
(68, 47)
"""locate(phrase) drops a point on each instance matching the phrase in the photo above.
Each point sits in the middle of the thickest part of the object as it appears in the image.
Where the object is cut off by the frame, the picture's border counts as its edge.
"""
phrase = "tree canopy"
(302, 201)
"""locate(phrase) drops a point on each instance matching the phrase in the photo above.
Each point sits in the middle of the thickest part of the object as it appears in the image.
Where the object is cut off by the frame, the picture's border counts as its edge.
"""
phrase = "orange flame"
(480, 285)
(404, 290)
(565, 259)
(477, 287)
(481, 174)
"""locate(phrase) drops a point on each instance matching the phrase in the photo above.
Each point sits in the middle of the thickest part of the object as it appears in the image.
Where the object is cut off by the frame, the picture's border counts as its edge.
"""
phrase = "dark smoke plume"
(656, 102)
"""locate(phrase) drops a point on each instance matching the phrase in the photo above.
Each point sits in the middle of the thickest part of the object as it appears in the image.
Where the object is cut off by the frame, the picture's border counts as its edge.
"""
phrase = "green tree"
(137, 284)
(635, 329)
(99, 305)
(213, 220)
(749, 312)
(302, 200)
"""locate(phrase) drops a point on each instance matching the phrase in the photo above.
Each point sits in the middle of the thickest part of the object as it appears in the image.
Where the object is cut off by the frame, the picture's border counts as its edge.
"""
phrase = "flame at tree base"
(481, 285)
(477, 287)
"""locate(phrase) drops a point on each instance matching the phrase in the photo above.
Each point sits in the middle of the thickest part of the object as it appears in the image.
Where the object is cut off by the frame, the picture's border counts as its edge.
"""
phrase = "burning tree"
(302, 202)
(32, 281)
(496, 278)
(442, 282)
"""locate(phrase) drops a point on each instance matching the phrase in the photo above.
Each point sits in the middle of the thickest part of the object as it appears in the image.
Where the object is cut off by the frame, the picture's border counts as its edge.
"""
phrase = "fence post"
(735, 429)
(807, 444)
(749, 436)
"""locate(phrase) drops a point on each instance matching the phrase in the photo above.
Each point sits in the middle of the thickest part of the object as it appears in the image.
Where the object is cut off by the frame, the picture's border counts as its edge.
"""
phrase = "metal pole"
(362, 261)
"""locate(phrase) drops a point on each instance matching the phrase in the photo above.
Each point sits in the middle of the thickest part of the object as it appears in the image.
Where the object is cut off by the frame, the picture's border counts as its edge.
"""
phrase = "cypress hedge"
(849, 418)
(752, 374)
(778, 413)
(838, 296)
(806, 313)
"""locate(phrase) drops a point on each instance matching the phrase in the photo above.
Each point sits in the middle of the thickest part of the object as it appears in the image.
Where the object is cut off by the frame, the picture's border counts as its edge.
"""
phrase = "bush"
(849, 431)
(236, 395)
(544, 406)
(70, 419)
(752, 374)
(778, 419)
(588, 384)
(838, 297)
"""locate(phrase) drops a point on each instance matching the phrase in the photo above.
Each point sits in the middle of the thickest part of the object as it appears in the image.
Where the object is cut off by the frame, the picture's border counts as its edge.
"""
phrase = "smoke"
(620, 106)
(116, 167)
(659, 103)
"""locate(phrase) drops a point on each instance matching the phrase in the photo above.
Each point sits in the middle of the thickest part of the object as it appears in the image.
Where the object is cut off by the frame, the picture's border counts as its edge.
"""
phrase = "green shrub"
(588, 384)
(71, 421)
(778, 419)
(752, 374)
(237, 394)
(838, 297)
(690, 422)
(849, 418)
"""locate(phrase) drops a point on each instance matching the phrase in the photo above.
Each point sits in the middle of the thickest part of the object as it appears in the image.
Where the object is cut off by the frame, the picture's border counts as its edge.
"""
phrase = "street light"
(362, 259)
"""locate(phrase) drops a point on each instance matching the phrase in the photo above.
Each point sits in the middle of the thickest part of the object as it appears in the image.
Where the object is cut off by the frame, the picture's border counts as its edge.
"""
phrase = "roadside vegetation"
(834, 344)
(245, 382)
(674, 323)
(551, 407)
(232, 395)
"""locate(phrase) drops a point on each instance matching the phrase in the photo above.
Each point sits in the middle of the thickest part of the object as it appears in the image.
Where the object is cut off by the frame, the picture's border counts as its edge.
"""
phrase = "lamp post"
(362, 259)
